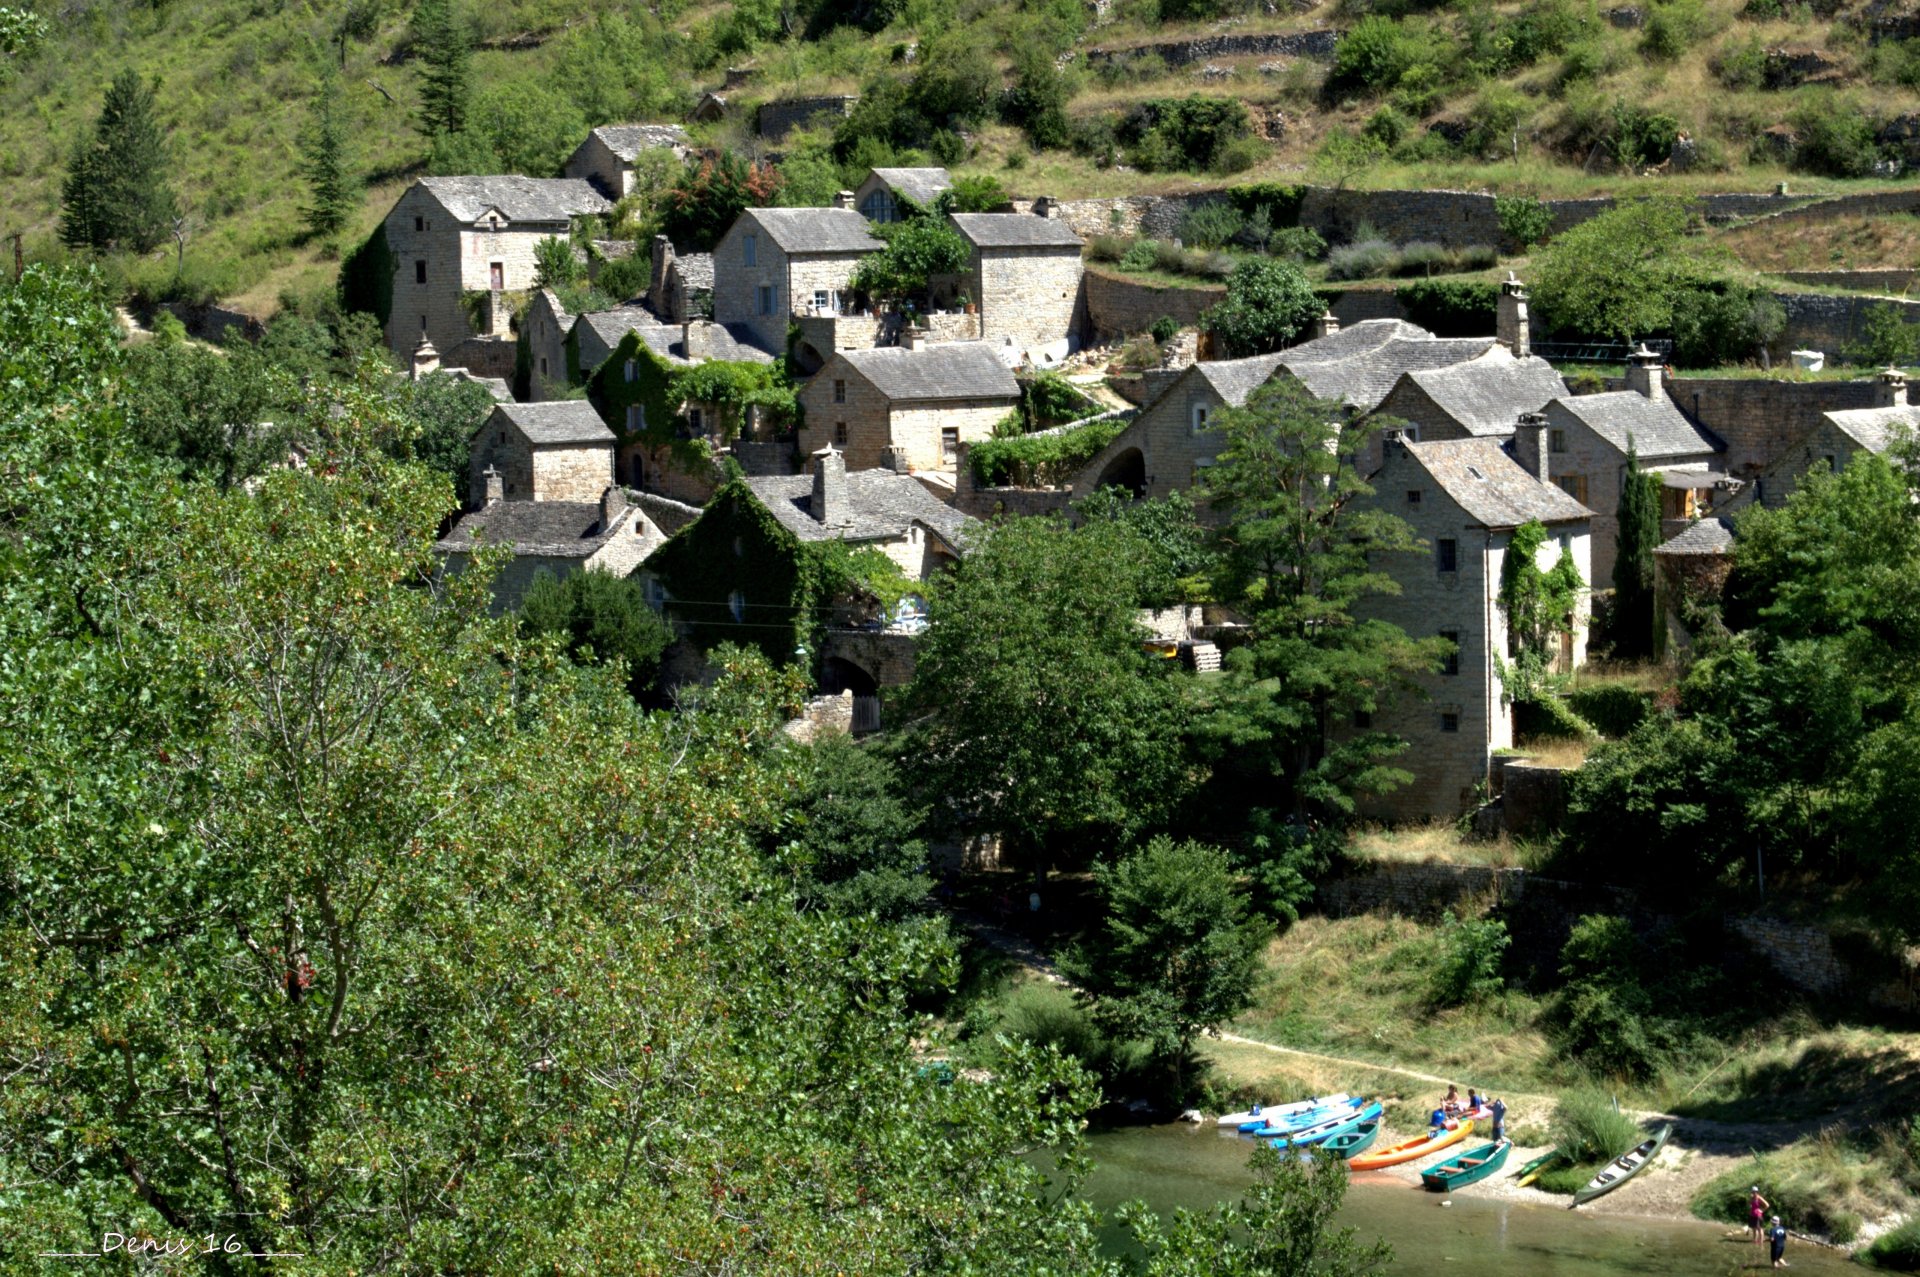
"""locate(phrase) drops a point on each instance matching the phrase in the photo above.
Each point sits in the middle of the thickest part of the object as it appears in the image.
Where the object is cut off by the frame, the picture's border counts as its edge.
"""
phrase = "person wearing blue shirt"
(1499, 1120)
(1777, 1235)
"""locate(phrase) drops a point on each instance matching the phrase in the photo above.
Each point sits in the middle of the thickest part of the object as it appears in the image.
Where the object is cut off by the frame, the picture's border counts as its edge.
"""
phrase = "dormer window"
(750, 249)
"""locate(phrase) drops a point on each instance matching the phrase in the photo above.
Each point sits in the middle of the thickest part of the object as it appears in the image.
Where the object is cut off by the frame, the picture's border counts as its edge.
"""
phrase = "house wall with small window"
(757, 284)
(1825, 445)
(438, 259)
(530, 472)
(1174, 434)
(1585, 464)
(929, 434)
(544, 329)
(1030, 296)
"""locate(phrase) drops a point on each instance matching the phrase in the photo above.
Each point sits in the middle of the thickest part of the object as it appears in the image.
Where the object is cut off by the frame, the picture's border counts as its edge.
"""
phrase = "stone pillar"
(492, 487)
(830, 504)
(1046, 206)
(613, 504)
(912, 338)
(1644, 372)
(426, 359)
(1530, 445)
(657, 275)
(1327, 325)
(1511, 326)
(696, 340)
(1891, 392)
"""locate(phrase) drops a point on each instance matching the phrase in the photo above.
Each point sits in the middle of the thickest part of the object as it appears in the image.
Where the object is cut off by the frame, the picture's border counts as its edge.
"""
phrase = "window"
(739, 548)
(1450, 663)
(820, 299)
(509, 489)
(1447, 550)
(840, 434)
(949, 444)
(766, 299)
(503, 436)
(1199, 421)
(636, 418)
(1574, 485)
(632, 370)
(543, 365)
(1362, 720)
(1828, 458)
(1413, 496)
(1449, 720)
(419, 223)
(737, 604)
(1556, 441)
(1200, 469)
(839, 391)
(750, 249)
(693, 416)
(496, 276)
(420, 272)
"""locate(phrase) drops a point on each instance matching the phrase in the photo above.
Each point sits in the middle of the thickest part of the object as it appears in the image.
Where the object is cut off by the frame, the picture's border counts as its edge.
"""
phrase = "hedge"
(1041, 460)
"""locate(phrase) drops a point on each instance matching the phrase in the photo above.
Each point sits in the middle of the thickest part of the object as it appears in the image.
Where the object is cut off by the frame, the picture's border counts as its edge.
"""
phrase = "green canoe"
(1466, 1168)
(1357, 1140)
(1624, 1167)
(1531, 1171)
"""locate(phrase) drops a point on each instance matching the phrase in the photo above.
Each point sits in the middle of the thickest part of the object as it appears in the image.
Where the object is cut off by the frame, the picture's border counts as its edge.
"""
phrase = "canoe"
(1531, 1171)
(1257, 1113)
(1467, 1168)
(1410, 1150)
(1357, 1140)
(1301, 1121)
(1623, 1168)
(1328, 1129)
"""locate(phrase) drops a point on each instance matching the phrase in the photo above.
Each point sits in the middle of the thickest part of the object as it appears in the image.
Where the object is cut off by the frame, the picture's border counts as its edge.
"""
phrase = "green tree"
(972, 193)
(554, 265)
(1283, 1227)
(1041, 715)
(1268, 303)
(330, 181)
(1177, 952)
(917, 249)
(1523, 219)
(1037, 102)
(1886, 339)
(1303, 551)
(1618, 274)
(531, 127)
(442, 41)
(447, 413)
(600, 619)
(116, 193)
(1638, 535)
(852, 843)
(710, 195)
(1177, 552)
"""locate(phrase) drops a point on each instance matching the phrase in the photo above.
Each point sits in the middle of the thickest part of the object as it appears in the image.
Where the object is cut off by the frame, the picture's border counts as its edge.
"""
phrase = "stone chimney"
(894, 458)
(1892, 389)
(1530, 445)
(696, 340)
(1327, 325)
(662, 256)
(492, 487)
(1644, 372)
(425, 358)
(1046, 206)
(830, 501)
(912, 338)
(843, 199)
(613, 504)
(1510, 325)
(1392, 443)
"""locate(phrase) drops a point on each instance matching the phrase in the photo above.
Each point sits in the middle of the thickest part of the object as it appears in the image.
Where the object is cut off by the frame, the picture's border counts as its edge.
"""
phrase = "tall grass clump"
(1589, 1131)
(1898, 1250)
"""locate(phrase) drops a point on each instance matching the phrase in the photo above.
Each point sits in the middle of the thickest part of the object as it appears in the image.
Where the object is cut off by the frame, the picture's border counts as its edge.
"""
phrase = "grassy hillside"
(1549, 97)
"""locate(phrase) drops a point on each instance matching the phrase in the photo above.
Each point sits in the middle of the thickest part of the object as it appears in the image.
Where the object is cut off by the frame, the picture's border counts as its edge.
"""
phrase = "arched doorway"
(837, 675)
(1128, 470)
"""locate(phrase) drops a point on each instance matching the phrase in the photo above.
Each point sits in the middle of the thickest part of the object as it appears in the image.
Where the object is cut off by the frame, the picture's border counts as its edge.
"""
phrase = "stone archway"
(1127, 470)
(837, 675)
(807, 359)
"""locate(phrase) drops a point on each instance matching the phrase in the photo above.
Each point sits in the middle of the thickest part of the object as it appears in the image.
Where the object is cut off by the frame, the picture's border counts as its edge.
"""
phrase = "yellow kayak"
(1409, 1150)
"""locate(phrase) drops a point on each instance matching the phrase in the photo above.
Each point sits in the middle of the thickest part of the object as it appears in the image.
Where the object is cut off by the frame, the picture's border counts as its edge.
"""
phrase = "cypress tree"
(116, 194)
(445, 50)
(334, 193)
(1638, 516)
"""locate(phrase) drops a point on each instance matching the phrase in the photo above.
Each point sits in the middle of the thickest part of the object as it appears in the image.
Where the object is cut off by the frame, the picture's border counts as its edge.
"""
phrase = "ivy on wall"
(1038, 460)
(366, 277)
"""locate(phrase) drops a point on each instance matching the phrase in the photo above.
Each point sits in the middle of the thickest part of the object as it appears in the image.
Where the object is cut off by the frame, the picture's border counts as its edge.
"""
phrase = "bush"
(1164, 329)
(1590, 1130)
(1898, 1250)
(1300, 243)
(1211, 225)
(1422, 257)
(1721, 322)
(1237, 156)
(1280, 201)
(1613, 709)
(1375, 55)
(1524, 220)
(1467, 968)
(1549, 718)
(1642, 138)
(1267, 305)
(1603, 1017)
(1886, 338)
(1182, 133)
(1108, 248)
(1742, 64)
(1673, 26)
(1366, 259)
(1451, 307)
(1037, 102)
(1835, 139)
(1040, 460)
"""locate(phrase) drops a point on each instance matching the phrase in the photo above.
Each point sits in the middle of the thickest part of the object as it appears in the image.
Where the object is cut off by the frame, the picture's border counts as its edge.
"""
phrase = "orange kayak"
(1408, 1150)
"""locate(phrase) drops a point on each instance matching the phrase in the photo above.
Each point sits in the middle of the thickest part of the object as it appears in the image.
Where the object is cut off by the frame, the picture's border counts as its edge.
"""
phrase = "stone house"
(1690, 566)
(1464, 499)
(774, 263)
(460, 238)
(879, 196)
(1170, 442)
(558, 451)
(561, 536)
(1839, 435)
(1479, 399)
(606, 157)
(680, 285)
(1587, 437)
(906, 409)
(544, 328)
(1026, 275)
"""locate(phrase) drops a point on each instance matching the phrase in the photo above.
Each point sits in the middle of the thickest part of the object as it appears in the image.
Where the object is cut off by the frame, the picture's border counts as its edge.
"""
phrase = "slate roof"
(884, 505)
(1708, 536)
(522, 199)
(1234, 379)
(667, 514)
(1875, 428)
(921, 185)
(628, 140)
(1013, 230)
(1486, 396)
(1495, 490)
(556, 422)
(1354, 339)
(695, 270)
(733, 342)
(1362, 380)
(611, 325)
(815, 230)
(1658, 429)
(963, 370)
(556, 529)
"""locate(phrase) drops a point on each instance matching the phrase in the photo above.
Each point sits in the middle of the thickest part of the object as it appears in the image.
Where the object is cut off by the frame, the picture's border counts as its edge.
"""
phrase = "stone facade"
(611, 173)
(1167, 442)
(532, 471)
(620, 555)
(885, 656)
(1760, 419)
(779, 118)
(1832, 323)
(1317, 45)
(843, 408)
(793, 282)
(1119, 307)
(544, 328)
(1027, 296)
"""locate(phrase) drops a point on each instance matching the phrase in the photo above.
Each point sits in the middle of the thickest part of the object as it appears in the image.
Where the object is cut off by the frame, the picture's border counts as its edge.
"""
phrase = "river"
(1195, 1167)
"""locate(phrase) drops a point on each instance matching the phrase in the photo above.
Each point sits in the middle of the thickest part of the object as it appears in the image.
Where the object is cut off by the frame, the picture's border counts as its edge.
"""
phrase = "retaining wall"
(1859, 281)
(1176, 53)
(1118, 306)
(1819, 321)
(1760, 418)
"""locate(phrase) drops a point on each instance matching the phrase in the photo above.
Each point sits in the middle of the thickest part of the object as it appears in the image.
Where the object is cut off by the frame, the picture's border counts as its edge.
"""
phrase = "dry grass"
(1555, 751)
(1435, 841)
(1859, 243)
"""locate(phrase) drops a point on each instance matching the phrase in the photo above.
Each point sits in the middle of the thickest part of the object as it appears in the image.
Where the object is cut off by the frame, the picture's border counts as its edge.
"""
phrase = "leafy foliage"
(1468, 966)
(1617, 274)
(600, 619)
(1037, 102)
(1194, 132)
(1539, 607)
(710, 195)
(1450, 307)
(917, 249)
(851, 843)
(443, 38)
(1524, 220)
(1031, 460)
(1638, 535)
(1886, 339)
(117, 194)
(1177, 551)
(1267, 305)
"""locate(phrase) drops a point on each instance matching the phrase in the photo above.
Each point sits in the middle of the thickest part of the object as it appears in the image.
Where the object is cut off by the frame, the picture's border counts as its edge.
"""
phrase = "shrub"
(1037, 460)
(1604, 1016)
(1237, 156)
(1642, 137)
(1742, 64)
(1673, 26)
(1898, 1250)
(1721, 322)
(1451, 307)
(1037, 102)
(1543, 28)
(1182, 133)
(1388, 127)
(1143, 254)
(1300, 243)
(1364, 259)
(1280, 200)
(1374, 55)
(1886, 338)
(1267, 304)
(1612, 708)
(1524, 220)
(1588, 1128)
(1422, 257)
(1211, 225)
(1164, 329)
(1109, 248)
(1467, 968)
(1835, 138)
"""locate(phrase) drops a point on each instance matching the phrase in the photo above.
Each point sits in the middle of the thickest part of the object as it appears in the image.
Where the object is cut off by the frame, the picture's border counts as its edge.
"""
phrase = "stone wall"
(1818, 321)
(1861, 281)
(454, 259)
(823, 716)
(987, 503)
(779, 118)
(482, 356)
(1413, 889)
(1028, 296)
(1118, 307)
(545, 324)
(1759, 418)
(1533, 798)
(916, 429)
(1175, 53)
(571, 474)
(887, 656)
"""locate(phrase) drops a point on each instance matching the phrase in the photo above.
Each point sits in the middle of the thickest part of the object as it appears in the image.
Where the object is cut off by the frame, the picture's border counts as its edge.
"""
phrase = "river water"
(1195, 1167)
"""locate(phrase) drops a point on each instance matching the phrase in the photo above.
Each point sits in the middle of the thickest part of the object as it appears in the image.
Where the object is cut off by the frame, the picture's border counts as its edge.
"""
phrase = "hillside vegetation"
(1547, 97)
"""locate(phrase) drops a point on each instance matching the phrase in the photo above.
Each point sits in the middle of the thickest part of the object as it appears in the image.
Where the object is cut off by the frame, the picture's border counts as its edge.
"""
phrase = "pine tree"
(334, 189)
(1638, 515)
(445, 50)
(116, 194)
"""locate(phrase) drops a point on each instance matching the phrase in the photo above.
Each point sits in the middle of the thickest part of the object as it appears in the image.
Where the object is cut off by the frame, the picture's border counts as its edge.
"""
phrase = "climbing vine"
(1539, 607)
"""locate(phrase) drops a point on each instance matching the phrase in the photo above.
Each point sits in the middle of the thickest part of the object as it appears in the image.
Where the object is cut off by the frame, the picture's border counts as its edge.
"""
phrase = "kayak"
(1467, 1168)
(1357, 1140)
(1259, 1114)
(1301, 1121)
(1326, 1129)
(1624, 1167)
(1531, 1171)
(1410, 1150)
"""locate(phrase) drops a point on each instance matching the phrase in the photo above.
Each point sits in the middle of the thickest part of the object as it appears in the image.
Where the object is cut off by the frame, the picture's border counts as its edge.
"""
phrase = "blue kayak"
(1303, 1121)
(1335, 1126)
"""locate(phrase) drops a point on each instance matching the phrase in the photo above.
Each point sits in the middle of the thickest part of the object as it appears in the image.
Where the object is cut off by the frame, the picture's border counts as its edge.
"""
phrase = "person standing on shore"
(1756, 1214)
(1499, 1108)
(1778, 1236)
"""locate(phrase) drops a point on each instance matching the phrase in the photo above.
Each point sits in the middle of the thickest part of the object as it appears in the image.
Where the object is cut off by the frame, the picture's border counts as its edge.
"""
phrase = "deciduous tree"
(1268, 303)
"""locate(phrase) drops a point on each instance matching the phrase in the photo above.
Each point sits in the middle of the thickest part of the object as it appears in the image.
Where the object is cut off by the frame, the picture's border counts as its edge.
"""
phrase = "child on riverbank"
(1777, 1235)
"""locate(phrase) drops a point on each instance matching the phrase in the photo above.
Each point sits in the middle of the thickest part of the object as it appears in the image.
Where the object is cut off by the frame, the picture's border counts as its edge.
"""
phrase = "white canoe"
(1255, 1113)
